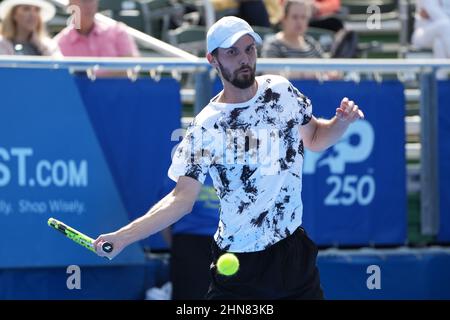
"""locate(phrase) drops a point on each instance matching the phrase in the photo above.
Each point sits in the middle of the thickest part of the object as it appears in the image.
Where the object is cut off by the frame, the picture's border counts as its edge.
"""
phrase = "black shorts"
(285, 270)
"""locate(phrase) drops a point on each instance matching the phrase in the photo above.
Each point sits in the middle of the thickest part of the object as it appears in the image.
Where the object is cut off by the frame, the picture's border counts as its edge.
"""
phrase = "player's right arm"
(168, 210)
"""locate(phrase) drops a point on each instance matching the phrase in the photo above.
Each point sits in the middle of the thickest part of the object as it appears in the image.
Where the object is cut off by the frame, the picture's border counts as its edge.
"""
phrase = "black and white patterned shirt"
(254, 154)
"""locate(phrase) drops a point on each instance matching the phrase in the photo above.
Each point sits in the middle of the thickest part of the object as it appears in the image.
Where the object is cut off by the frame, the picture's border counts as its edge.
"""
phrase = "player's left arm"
(319, 134)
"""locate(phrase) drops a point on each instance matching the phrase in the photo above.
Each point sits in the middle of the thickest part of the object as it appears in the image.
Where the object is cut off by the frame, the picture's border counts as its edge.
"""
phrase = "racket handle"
(107, 247)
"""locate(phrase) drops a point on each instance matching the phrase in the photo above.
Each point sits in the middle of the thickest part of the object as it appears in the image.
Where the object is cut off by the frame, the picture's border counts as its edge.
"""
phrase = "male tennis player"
(250, 138)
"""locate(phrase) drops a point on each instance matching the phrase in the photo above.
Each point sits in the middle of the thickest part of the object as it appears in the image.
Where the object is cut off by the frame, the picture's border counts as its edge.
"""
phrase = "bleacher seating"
(149, 16)
(387, 36)
(190, 38)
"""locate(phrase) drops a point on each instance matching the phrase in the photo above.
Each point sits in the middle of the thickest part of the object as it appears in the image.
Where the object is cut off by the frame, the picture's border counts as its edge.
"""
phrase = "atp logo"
(356, 146)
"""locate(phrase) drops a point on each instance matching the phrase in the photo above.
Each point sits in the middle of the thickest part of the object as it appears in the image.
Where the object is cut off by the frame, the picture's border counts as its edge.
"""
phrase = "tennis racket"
(77, 236)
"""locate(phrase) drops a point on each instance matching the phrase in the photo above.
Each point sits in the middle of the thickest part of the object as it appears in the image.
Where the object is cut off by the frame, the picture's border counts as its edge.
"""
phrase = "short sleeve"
(303, 110)
(191, 158)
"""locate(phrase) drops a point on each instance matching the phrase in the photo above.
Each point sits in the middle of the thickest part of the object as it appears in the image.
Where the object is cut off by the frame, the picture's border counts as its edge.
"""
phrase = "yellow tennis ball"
(227, 264)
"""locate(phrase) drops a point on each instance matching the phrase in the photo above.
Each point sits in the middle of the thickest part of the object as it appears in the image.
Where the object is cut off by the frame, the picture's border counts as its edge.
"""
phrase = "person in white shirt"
(432, 29)
(250, 138)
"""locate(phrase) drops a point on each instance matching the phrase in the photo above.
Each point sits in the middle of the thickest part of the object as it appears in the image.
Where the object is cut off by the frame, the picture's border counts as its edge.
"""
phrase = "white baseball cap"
(47, 9)
(226, 31)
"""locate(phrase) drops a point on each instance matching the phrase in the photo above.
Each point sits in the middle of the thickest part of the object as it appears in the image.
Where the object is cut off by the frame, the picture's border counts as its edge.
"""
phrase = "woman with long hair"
(23, 30)
(293, 41)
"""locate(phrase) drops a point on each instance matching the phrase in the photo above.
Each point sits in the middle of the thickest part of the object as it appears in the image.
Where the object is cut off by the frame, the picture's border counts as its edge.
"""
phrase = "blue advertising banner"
(136, 124)
(52, 165)
(444, 160)
(354, 193)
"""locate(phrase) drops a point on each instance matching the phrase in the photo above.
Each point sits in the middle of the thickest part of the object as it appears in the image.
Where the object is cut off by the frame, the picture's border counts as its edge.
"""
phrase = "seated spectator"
(292, 41)
(432, 29)
(344, 43)
(23, 29)
(90, 38)
(324, 13)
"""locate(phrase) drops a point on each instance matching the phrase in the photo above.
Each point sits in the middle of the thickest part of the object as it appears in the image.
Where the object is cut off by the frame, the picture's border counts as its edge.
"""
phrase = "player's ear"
(212, 60)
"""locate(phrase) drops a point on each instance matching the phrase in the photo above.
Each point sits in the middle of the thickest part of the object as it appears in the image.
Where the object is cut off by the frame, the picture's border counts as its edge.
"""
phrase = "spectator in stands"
(323, 13)
(292, 41)
(23, 29)
(432, 29)
(88, 37)
(344, 43)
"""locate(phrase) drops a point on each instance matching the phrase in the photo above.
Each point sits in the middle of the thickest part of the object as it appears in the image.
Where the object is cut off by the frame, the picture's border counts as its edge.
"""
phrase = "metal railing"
(264, 64)
(426, 69)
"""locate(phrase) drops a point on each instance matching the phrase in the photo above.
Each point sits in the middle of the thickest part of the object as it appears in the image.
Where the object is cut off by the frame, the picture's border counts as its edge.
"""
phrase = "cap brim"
(235, 37)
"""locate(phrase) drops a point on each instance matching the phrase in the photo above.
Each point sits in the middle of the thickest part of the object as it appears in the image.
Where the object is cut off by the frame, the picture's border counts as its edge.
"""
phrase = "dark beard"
(235, 81)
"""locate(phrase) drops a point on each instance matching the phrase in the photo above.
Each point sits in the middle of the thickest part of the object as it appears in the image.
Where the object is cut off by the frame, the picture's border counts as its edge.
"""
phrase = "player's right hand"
(114, 239)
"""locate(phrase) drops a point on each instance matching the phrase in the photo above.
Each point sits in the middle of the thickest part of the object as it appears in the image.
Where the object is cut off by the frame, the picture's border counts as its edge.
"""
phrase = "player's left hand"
(348, 111)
